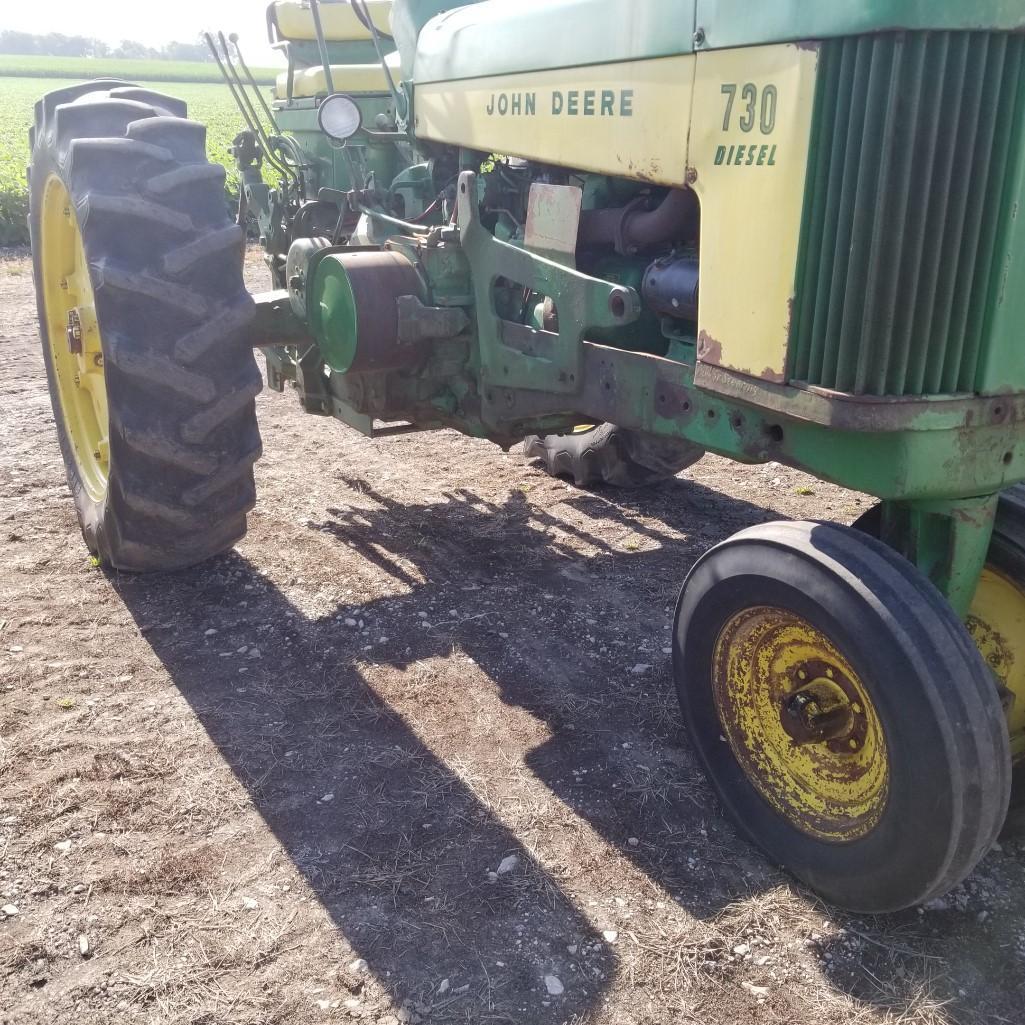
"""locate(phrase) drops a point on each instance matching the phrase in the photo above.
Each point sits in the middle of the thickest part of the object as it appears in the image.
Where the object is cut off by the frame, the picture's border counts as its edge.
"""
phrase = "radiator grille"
(907, 186)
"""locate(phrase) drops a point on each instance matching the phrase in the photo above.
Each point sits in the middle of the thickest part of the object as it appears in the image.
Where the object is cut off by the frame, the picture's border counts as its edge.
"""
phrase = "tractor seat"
(294, 20)
(347, 78)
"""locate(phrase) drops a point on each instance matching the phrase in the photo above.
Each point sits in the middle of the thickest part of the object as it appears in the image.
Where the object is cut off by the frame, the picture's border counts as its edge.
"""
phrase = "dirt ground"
(410, 754)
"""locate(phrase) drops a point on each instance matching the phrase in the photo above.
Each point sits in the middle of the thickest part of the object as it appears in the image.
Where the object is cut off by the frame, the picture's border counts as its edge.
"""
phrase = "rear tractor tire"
(607, 454)
(143, 315)
(842, 712)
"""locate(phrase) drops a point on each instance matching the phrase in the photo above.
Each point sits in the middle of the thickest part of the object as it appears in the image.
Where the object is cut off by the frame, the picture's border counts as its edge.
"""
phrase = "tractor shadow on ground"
(400, 856)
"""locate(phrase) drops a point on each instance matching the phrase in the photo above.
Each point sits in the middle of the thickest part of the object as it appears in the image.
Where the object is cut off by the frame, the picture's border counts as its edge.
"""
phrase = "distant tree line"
(53, 44)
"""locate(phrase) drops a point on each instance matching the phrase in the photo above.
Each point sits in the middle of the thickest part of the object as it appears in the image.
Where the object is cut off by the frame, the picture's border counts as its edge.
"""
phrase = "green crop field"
(12, 65)
(210, 103)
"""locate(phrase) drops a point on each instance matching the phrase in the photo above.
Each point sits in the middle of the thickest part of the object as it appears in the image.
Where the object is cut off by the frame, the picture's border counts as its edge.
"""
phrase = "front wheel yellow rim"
(73, 337)
(800, 724)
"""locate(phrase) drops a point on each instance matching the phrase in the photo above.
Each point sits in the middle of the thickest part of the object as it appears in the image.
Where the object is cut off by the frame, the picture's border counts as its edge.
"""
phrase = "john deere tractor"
(626, 232)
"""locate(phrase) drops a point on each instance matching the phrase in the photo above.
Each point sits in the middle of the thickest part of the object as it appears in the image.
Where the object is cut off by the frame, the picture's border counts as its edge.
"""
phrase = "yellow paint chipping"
(833, 789)
(749, 143)
(997, 624)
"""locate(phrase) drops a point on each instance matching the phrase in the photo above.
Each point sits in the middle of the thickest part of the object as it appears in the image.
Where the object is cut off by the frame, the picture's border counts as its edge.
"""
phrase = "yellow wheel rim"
(73, 337)
(800, 724)
(997, 624)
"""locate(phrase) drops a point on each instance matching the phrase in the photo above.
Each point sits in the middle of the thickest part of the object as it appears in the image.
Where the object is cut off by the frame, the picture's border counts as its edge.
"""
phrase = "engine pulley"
(353, 305)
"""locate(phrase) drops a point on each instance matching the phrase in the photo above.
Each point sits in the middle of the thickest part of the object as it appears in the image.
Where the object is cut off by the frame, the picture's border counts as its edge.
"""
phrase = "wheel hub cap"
(800, 723)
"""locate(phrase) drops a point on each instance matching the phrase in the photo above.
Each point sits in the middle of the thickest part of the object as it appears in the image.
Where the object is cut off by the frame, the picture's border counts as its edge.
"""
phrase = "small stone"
(741, 949)
(633, 841)
(554, 985)
(443, 986)
(78, 888)
(756, 991)
(359, 965)
(255, 653)
(939, 904)
(83, 945)
(403, 1015)
(610, 935)
(572, 948)
(10, 910)
(762, 960)
(492, 877)
(250, 903)
(326, 799)
(508, 864)
(324, 1005)
(350, 622)
(640, 668)
(15, 648)
(63, 846)
(210, 632)
(243, 649)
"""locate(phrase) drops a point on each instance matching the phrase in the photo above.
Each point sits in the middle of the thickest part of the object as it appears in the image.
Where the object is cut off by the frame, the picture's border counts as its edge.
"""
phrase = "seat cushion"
(347, 78)
(295, 20)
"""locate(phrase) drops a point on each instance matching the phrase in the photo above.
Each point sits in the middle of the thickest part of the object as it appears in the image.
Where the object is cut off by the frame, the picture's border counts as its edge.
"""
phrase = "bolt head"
(74, 332)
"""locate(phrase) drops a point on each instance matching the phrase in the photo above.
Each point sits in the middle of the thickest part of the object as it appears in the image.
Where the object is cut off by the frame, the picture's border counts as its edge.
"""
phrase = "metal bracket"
(420, 323)
(515, 356)
(948, 540)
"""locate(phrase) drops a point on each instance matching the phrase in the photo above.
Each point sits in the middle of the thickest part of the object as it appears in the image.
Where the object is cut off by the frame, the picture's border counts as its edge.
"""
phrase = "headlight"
(339, 117)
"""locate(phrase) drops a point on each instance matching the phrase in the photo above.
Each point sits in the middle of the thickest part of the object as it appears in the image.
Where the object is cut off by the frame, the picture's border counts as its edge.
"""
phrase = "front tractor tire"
(842, 712)
(607, 454)
(143, 315)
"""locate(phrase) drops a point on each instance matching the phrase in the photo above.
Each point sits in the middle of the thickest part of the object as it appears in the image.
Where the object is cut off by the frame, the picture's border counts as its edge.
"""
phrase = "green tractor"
(625, 233)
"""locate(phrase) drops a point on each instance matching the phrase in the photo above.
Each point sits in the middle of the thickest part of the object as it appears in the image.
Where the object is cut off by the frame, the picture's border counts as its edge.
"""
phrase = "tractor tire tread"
(611, 455)
(166, 268)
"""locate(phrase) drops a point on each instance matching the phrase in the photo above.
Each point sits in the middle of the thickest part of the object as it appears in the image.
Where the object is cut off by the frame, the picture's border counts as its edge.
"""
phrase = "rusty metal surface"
(857, 412)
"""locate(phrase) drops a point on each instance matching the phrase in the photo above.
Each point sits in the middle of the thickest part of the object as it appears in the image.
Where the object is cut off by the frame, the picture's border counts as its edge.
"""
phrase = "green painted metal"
(498, 38)
(947, 539)
(306, 53)
(912, 262)
(333, 314)
(408, 18)
(728, 23)
(1001, 362)
(906, 192)
(519, 356)
(331, 165)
